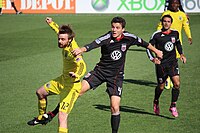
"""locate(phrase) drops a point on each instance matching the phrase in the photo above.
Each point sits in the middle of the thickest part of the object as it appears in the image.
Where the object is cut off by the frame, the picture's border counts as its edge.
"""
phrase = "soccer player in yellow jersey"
(180, 21)
(67, 85)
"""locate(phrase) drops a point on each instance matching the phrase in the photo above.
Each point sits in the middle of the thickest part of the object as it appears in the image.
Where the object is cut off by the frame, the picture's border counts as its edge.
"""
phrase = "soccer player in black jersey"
(110, 69)
(167, 40)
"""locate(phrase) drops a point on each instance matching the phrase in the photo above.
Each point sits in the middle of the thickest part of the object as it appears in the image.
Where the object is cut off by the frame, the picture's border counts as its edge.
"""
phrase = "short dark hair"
(119, 20)
(66, 29)
(166, 16)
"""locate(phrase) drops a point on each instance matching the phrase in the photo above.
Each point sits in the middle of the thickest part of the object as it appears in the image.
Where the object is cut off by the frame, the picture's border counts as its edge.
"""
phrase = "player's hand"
(49, 20)
(77, 51)
(190, 41)
(159, 54)
(183, 58)
(72, 74)
(156, 61)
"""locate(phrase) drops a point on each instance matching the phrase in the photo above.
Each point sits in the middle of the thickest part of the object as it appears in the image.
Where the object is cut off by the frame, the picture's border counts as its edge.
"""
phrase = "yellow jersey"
(71, 63)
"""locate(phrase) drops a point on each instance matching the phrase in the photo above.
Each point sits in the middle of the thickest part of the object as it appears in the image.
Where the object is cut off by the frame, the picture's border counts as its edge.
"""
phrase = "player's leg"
(50, 88)
(13, 5)
(161, 79)
(68, 99)
(174, 74)
(175, 95)
(42, 103)
(85, 87)
(115, 113)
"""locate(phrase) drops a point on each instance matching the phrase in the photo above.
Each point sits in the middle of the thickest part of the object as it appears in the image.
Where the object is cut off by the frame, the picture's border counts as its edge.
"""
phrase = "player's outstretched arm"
(52, 24)
(156, 51)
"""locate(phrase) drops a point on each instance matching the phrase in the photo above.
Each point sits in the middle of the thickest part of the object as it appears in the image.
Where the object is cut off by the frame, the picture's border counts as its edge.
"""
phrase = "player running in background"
(114, 45)
(180, 22)
(167, 7)
(67, 85)
(12, 4)
(167, 40)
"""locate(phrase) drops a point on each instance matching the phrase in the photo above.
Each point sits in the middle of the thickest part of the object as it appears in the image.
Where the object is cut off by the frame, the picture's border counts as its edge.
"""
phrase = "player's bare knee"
(41, 93)
(177, 85)
(114, 109)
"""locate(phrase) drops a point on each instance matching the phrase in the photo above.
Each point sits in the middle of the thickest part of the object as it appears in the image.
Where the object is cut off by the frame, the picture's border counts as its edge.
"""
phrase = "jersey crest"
(173, 39)
(123, 47)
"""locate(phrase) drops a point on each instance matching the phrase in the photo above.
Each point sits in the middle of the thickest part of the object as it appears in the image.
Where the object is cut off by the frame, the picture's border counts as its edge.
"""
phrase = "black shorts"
(164, 70)
(113, 81)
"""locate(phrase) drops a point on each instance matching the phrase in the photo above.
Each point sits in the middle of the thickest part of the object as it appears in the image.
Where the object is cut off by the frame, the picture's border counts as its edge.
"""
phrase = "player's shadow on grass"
(140, 82)
(130, 110)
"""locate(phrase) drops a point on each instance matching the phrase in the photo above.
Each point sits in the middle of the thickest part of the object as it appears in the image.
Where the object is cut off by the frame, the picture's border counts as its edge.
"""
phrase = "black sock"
(115, 120)
(0, 10)
(175, 95)
(158, 92)
(13, 5)
(56, 110)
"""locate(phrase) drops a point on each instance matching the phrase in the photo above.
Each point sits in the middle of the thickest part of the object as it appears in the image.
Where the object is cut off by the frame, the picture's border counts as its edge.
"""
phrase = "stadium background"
(96, 6)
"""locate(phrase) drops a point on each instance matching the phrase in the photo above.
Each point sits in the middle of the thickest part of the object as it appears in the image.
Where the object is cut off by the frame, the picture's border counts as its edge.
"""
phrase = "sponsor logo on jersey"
(169, 46)
(116, 55)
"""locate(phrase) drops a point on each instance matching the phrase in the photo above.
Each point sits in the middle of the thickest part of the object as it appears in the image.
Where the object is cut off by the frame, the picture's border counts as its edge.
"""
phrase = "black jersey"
(113, 51)
(167, 43)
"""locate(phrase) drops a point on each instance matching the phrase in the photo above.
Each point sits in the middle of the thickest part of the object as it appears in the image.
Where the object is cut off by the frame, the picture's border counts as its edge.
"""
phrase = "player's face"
(175, 5)
(117, 30)
(63, 40)
(167, 23)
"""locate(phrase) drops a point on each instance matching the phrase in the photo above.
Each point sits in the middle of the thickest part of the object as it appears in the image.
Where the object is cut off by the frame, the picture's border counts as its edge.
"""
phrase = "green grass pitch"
(29, 57)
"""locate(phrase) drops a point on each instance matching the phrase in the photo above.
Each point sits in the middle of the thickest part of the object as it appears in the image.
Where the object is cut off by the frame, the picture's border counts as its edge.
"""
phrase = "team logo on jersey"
(116, 55)
(169, 46)
(123, 48)
(180, 17)
(173, 39)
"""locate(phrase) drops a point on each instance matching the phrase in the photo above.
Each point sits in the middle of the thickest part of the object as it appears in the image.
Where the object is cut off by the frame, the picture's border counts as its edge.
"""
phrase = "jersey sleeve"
(178, 45)
(98, 42)
(54, 26)
(149, 52)
(186, 26)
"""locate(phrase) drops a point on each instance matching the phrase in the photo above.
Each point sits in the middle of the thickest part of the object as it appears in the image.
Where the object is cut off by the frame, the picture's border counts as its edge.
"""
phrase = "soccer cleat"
(174, 111)
(19, 12)
(46, 118)
(156, 108)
